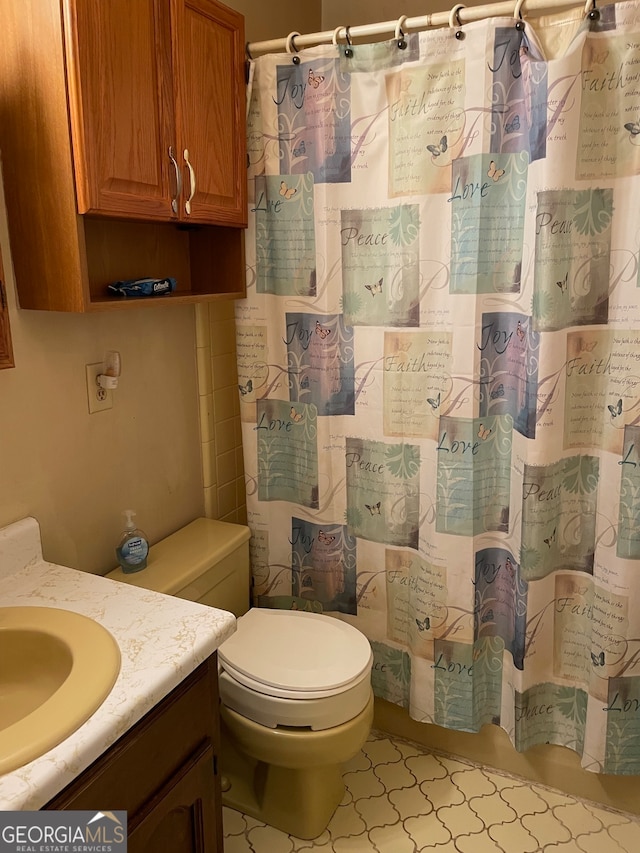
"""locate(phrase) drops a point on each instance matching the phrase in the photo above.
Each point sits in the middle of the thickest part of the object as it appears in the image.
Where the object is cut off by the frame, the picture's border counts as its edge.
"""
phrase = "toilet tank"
(206, 561)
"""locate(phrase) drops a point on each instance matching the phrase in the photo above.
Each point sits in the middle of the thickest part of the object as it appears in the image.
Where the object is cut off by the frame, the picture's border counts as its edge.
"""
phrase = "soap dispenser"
(133, 547)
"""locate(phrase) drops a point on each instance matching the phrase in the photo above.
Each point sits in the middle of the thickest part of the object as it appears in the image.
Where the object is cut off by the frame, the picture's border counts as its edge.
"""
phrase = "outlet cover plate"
(99, 399)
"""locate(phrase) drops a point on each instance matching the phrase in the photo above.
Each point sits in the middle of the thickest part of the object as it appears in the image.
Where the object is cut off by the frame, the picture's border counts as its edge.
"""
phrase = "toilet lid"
(296, 652)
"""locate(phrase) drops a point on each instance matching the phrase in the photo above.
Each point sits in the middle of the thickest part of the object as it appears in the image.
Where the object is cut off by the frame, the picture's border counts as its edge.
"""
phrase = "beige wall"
(267, 19)
(76, 472)
(336, 13)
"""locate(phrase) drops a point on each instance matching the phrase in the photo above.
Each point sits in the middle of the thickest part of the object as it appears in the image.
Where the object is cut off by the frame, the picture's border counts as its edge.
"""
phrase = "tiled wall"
(221, 437)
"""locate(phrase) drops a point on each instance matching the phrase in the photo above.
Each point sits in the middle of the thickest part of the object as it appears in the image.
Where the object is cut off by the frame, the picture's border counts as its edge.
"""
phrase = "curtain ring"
(454, 20)
(399, 33)
(591, 10)
(517, 12)
(290, 45)
(348, 52)
(399, 36)
(454, 16)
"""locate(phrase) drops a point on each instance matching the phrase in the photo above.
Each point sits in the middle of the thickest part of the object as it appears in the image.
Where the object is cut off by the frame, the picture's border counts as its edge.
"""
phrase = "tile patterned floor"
(402, 799)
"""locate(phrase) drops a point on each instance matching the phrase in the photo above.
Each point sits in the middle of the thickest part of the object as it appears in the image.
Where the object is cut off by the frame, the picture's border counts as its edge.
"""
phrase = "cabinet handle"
(174, 200)
(192, 182)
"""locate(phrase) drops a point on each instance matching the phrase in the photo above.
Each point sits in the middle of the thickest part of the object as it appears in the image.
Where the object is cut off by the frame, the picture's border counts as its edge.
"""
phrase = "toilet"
(295, 686)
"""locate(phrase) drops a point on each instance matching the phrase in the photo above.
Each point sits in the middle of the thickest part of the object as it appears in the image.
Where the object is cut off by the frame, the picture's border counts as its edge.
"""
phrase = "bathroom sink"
(56, 668)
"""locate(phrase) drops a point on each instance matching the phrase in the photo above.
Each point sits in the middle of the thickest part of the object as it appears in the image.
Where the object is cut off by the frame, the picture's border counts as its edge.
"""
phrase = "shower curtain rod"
(459, 14)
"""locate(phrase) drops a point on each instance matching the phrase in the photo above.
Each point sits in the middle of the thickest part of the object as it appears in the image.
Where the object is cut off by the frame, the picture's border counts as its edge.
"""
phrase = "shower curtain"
(439, 368)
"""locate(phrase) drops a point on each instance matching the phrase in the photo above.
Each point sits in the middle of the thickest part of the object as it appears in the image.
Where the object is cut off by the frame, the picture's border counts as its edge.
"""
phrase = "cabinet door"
(208, 66)
(118, 57)
(181, 819)
(6, 351)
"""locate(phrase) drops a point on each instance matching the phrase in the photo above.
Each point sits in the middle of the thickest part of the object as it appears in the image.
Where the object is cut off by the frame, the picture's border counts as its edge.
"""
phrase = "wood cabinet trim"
(6, 347)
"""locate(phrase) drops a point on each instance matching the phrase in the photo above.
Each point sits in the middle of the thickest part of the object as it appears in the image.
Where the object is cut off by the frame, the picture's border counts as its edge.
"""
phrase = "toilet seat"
(293, 668)
(294, 695)
(294, 654)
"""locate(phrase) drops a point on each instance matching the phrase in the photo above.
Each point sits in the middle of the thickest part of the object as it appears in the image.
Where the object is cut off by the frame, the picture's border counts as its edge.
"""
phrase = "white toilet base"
(299, 799)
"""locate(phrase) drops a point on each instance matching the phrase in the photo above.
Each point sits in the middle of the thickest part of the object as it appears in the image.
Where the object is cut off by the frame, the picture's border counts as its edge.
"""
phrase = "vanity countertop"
(162, 640)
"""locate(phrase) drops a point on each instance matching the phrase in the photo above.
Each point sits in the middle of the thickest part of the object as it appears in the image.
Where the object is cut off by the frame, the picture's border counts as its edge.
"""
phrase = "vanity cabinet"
(6, 350)
(163, 772)
(123, 144)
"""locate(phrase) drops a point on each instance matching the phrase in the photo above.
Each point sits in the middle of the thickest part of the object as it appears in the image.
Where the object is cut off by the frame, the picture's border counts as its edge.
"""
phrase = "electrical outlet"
(99, 398)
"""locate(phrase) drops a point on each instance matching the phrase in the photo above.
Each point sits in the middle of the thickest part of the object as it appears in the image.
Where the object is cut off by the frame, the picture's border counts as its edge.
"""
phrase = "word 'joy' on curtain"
(439, 369)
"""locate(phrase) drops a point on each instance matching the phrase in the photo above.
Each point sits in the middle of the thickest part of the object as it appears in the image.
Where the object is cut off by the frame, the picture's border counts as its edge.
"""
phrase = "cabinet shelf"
(204, 261)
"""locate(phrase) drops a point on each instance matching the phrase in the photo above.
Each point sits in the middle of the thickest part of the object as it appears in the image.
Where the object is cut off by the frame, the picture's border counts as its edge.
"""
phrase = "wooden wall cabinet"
(163, 772)
(6, 350)
(123, 146)
(156, 109)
